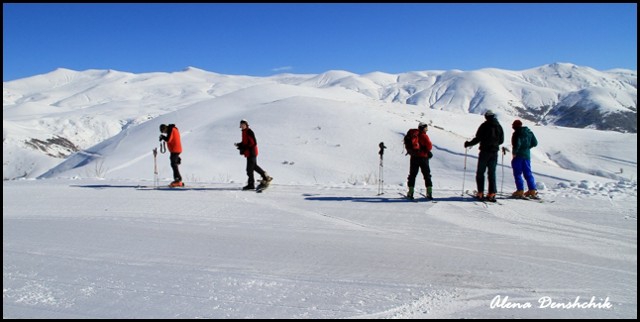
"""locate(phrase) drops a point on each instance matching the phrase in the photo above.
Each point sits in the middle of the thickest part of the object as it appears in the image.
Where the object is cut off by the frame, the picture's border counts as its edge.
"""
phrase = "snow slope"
(109, 249)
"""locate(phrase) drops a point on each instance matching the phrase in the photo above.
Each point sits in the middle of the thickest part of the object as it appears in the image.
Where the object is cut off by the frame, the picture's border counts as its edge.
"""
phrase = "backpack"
(411, 141)
(495, 135)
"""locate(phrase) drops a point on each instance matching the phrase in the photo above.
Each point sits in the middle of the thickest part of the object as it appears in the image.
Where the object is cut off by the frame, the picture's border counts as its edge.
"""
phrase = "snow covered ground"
(86, 241)
(110, 249)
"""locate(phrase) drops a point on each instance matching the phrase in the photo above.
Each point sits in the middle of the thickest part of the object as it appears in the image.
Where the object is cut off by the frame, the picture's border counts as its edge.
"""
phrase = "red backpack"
(411, 141)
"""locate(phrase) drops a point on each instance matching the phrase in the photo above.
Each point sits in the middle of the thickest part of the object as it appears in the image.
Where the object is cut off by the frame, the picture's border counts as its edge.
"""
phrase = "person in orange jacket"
(171, 135)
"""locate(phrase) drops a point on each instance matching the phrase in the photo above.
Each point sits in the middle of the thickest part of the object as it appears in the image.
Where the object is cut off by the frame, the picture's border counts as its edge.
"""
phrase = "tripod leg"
(155, 168)
(381, 178)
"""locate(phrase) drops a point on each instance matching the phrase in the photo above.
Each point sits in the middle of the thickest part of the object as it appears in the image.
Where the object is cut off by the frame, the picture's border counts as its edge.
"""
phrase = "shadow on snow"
(164, 188)
(381, 199)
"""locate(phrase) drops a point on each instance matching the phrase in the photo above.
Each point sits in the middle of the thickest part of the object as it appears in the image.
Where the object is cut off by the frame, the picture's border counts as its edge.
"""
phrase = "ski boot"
(429, 193)
(410, 193)
(531, 193)
(176, 183)
(491, 197)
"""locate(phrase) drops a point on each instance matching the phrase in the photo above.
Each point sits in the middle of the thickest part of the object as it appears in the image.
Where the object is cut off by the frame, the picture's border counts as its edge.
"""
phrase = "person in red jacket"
(419, 147)
(249, 148)
(171, 135)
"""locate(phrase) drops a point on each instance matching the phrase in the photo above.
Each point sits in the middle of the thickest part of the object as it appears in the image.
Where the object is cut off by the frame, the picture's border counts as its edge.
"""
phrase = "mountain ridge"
(67, 111)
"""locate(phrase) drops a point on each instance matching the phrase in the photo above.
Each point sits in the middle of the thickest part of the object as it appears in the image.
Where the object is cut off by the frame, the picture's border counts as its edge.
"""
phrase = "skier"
(419, 146)
(522, 141)
(490, 135)
(171, 135)
(249, 148)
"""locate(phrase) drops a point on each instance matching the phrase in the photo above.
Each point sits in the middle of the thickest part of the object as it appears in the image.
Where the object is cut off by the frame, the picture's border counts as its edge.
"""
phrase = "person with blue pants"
(522, 141)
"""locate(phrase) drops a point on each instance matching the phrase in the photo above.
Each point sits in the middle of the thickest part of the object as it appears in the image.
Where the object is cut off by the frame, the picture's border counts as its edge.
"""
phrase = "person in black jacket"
(490, 136)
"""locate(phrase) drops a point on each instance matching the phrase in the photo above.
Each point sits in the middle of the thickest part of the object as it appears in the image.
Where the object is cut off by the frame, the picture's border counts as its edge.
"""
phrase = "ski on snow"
(428, 199)
(417, 200)
(486, 202)
(537, 199)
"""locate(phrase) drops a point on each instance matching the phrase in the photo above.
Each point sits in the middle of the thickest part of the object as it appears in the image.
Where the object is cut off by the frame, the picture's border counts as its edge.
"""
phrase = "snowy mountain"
(48, 118)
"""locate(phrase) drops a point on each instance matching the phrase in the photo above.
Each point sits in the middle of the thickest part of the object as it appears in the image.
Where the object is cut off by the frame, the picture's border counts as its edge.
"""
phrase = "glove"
(430, 154)
(162, 137)
(467, 144)
(240, 147)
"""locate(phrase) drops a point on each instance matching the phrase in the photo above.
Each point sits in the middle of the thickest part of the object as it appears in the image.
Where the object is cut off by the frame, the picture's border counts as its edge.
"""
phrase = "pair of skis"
(417, 200)
(483, 200)
(534, 199)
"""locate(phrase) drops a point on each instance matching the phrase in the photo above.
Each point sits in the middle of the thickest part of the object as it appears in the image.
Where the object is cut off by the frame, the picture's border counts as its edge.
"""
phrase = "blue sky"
(311, 38)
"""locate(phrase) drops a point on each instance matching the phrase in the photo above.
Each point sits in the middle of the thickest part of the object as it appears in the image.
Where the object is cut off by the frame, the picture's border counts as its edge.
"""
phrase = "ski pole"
(502, 184)
(465, 170)
(504, 151)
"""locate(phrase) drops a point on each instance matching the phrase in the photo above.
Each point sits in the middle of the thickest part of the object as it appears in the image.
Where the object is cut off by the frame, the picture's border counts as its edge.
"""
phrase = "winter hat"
(489, 115)
(244, 121)
(422, 125)
(517, 124)
(163, 127)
